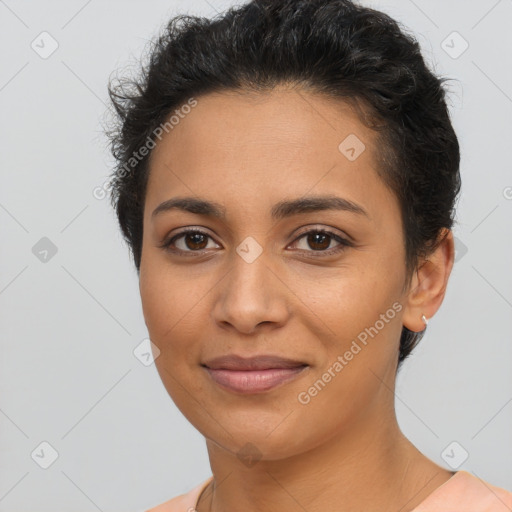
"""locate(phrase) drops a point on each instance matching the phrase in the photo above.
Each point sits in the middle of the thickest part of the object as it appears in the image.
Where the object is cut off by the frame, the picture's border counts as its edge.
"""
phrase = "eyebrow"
(279, 211)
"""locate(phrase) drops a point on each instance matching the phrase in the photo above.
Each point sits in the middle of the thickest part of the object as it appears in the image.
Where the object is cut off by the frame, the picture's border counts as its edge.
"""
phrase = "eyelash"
(166, 245)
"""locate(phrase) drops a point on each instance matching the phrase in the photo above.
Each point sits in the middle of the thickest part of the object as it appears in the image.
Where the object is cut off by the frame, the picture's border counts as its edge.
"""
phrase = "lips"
(261, 362)
(249, 375)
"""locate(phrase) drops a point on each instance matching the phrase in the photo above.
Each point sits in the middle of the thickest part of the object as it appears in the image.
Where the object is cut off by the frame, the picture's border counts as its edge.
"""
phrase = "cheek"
(173, 315)
(177, 314)
(171, 302)
(156, 306)
(358, 320)
(349, 299)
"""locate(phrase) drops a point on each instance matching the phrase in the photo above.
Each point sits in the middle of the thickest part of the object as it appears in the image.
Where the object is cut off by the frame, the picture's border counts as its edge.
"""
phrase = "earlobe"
(428, 286)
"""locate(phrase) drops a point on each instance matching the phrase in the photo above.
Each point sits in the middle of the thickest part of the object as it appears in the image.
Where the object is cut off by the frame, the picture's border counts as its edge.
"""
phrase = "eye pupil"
(196, 240)
(313, 239)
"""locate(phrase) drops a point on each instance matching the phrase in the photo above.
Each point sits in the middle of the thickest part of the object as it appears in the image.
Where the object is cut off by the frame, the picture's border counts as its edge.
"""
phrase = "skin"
(344, 448)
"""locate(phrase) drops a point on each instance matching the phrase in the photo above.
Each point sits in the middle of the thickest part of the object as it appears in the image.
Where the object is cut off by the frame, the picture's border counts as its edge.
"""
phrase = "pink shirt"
(463, 492)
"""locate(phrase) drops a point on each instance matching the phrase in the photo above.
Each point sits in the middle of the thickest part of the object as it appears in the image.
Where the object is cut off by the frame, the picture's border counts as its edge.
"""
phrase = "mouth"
(253, 381)
(253, 375)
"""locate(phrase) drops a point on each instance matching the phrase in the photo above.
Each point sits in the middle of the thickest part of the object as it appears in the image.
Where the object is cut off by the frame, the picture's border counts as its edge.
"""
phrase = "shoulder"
(184, 502)
(465, 492)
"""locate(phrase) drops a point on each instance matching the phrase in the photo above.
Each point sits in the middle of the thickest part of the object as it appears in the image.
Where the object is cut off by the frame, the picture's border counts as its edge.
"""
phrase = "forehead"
(236, 121)
(237, 146)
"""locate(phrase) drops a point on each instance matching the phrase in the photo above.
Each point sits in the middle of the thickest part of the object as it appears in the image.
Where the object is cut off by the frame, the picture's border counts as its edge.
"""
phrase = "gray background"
(70, 324)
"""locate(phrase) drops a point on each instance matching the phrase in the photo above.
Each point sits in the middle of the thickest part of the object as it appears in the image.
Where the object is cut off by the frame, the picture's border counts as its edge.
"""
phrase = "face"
(316, 282)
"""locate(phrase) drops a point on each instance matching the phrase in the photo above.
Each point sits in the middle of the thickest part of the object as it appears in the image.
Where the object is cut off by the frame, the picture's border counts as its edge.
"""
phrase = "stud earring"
(425, 321)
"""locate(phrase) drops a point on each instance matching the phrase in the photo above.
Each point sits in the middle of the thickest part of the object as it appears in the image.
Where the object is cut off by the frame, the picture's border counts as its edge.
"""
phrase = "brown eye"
(319, 241)
(195, 240)
(192, 240)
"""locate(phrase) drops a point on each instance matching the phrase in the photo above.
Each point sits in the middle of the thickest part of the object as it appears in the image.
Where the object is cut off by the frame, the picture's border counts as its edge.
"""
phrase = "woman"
(286, 182)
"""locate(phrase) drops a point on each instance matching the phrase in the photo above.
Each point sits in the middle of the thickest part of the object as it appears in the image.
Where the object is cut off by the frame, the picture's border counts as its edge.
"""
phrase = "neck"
(371, 466)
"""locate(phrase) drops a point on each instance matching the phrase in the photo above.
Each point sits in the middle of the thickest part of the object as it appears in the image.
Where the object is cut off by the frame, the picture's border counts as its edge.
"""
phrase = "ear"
(428, 284)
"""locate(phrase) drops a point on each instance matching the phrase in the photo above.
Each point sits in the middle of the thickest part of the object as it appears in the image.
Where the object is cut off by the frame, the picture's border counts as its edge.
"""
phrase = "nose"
(251, 295)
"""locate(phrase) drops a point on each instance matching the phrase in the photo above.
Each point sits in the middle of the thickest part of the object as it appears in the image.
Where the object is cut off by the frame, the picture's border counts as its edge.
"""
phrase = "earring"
(425, 321)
